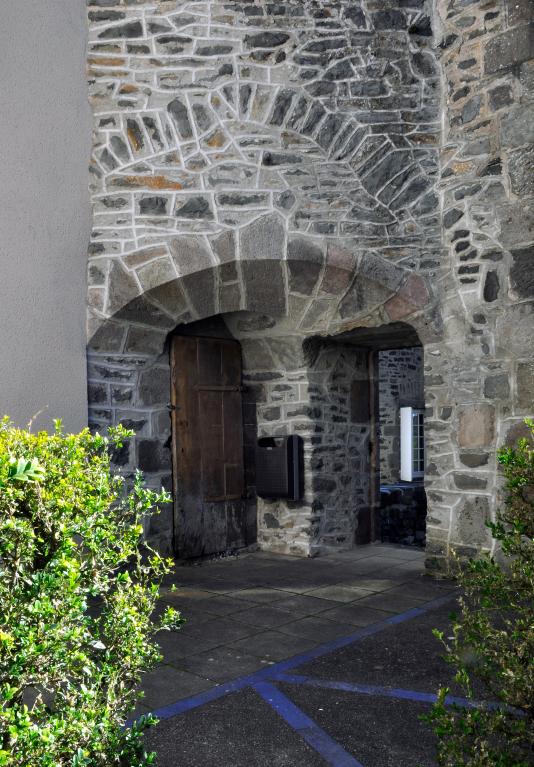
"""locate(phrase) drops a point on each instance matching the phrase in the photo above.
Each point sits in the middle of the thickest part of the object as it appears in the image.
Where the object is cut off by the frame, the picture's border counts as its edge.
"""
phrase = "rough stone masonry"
(323, 167)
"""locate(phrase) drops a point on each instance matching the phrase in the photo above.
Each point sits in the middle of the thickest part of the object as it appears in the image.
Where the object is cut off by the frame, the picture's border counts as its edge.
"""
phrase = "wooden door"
(207, 443)
(364, 414)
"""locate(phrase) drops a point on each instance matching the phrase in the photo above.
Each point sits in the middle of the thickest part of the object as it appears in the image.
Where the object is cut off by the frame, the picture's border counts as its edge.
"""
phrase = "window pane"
(418, 442)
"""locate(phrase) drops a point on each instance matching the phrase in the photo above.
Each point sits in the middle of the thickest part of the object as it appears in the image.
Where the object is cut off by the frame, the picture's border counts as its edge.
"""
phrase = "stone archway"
(244, 163)
(333, 122)
(319, 288)
(308, 292)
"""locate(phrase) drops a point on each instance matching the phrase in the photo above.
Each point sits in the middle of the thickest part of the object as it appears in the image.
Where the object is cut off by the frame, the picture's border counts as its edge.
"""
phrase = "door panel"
(364, 416)
(231, 366)
(212, 444)
(207, 443)
(209, 361)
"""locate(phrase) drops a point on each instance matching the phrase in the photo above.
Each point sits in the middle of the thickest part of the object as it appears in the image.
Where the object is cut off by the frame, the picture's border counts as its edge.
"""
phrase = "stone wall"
(295, 391)
(135, 392)
(230, 130)
(283, 159)
(400, 374)
(479, 381)
(403, 515)
(257, 156)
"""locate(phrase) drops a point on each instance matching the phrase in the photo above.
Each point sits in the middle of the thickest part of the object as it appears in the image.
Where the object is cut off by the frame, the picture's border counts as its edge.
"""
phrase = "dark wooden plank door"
(364, 416)
(207, 441)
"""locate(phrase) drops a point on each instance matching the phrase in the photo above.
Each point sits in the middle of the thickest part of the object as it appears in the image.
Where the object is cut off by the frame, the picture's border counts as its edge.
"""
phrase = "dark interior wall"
(403, 512)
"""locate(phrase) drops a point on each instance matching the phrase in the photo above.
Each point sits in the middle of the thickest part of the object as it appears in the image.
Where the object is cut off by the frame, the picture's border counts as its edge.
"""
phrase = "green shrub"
(77, 596)
(493, 644)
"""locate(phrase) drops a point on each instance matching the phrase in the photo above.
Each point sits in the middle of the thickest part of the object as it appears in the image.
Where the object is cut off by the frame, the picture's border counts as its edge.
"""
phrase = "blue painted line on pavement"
(317, 738)
(214, 693)
(378, 691)
(219, 691)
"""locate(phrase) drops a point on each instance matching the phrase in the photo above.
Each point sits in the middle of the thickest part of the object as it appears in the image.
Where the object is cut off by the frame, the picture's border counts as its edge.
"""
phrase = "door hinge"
(172, 407)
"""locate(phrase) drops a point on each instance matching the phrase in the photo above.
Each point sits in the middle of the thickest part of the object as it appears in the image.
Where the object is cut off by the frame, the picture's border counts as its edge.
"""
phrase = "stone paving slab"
(257, 606)
(354, 614)
(303, 604)
(265, 616)
(322, 629)
(248, 613)
(270, 646)
(222, 663)
(167, 684)
(340, 593)
(392, 601)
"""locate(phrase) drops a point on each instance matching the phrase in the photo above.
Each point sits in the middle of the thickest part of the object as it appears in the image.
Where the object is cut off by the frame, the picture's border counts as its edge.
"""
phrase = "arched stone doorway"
(293, 316)
(321, 139)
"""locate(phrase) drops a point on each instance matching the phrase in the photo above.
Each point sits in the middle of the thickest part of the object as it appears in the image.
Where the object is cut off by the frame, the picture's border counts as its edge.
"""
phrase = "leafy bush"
(77, 595)
(493, 644)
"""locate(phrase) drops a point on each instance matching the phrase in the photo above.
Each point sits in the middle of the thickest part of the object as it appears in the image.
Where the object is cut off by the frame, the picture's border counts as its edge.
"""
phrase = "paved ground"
(288, 661)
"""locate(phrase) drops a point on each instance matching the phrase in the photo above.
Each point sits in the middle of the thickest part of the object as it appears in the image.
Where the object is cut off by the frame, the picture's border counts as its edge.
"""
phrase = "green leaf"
(77, 596)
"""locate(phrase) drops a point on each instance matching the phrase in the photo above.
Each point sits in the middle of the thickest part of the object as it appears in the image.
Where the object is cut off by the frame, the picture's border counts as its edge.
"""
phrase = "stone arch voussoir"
(318, 287)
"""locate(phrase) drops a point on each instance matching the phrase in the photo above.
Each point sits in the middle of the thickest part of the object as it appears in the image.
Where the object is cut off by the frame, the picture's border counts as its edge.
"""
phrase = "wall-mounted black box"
(279, 467)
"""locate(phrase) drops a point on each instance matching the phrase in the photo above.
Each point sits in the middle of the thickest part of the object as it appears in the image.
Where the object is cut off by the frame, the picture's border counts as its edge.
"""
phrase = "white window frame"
(408, 472)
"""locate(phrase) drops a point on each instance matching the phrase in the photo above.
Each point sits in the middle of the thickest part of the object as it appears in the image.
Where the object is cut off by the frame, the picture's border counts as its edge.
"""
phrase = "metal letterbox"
(279, 467)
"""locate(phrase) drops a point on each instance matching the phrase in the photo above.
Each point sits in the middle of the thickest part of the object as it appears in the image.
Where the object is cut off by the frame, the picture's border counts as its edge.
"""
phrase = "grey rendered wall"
(44, 211)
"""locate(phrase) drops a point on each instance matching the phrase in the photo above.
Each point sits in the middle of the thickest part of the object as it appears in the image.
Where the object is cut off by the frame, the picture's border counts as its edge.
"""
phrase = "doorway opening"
(402, 446)
(394, 404)
(240, 377)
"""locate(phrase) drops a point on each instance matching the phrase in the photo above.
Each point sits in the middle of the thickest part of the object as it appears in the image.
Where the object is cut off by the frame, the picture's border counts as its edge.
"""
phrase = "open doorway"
(394, 402)
(235, 378)
(402, 446)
